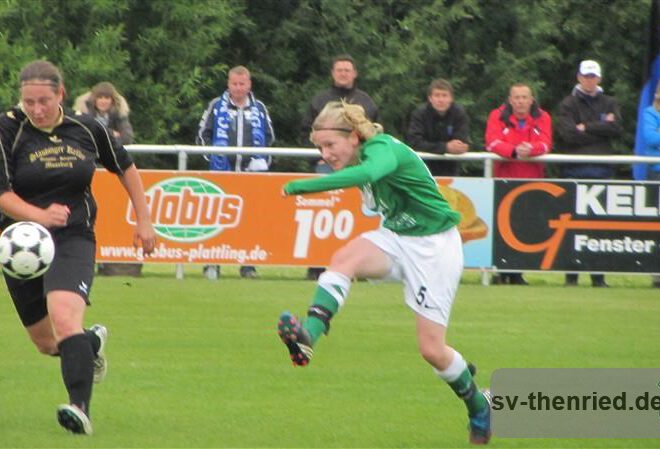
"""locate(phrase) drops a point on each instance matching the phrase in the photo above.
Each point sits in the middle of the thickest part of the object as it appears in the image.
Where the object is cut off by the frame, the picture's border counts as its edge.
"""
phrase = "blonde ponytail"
(343, 116)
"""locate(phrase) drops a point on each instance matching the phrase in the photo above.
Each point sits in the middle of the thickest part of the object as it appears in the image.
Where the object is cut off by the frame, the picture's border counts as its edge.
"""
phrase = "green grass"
(196, 363)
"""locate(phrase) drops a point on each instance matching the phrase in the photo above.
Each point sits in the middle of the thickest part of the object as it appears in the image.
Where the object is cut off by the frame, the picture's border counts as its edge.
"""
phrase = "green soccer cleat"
(296, 339)
(480, 423)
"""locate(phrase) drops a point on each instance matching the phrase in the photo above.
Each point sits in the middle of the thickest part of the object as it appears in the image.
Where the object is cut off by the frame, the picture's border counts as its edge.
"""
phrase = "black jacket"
(334, 93)
(429, 132)
(595, 139)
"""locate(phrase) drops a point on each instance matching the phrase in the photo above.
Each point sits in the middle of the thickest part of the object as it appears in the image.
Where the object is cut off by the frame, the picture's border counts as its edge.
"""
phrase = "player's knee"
(64, 328)
(435, 354)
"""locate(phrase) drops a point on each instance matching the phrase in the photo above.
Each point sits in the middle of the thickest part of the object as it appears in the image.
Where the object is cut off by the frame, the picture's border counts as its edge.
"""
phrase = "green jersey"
(395, 182)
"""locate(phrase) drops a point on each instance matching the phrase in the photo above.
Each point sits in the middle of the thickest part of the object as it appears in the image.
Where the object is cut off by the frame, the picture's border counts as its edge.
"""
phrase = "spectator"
(440, 126)
(344, 75)
(518, 129)
(107, 105)
(588, 122)
(111, 109)
(236, 119)
(651, 136)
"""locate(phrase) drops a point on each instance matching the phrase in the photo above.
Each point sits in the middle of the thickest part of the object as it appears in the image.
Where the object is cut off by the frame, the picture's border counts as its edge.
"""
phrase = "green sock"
(466, 389)
(314, 325)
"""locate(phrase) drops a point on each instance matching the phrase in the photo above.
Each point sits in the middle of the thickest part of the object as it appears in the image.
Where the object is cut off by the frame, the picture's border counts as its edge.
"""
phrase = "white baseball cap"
(589, 67)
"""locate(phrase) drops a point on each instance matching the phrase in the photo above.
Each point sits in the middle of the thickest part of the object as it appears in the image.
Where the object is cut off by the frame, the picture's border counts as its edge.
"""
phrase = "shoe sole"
(287, 328)
(74, 420)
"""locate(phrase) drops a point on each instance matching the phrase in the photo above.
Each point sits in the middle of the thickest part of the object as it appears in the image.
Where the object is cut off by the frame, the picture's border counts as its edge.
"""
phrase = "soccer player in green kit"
(418, 243)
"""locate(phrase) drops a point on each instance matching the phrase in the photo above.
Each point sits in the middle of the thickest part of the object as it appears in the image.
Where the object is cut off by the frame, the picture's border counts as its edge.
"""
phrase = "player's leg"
(67, 283)
(450, 366)
(433, 267)
(66, 310)
(359, 258)
(30, 303)
(41, 334)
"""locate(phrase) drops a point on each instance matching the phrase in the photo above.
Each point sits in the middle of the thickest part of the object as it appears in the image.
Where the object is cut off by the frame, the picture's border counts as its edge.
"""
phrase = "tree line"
(169, 58)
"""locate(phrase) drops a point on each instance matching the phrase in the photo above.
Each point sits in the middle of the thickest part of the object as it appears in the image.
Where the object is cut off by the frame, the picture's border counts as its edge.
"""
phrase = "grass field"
(197, 363)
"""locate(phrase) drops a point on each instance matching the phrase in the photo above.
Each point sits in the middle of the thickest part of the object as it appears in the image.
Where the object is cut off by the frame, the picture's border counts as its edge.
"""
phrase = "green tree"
(171, 57)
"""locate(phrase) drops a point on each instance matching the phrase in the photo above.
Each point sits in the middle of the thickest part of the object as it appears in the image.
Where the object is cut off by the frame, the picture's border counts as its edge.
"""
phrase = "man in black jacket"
(440, 126)
(343, 87)
(588, 122)
(344, 74)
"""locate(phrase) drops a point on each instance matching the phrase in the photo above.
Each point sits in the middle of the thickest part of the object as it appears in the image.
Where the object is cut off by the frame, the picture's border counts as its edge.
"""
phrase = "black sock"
(94, 340)
(77, 360)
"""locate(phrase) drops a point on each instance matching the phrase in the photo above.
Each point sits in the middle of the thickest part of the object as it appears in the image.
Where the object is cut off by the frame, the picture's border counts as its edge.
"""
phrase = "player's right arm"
(54, 216)
(13, 205)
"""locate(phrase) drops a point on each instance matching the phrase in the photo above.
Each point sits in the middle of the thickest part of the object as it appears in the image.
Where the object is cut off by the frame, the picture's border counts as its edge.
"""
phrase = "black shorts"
(72, 270)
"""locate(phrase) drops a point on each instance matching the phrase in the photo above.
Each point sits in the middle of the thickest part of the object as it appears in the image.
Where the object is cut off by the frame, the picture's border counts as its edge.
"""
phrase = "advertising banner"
(601, 226)
(242, 218)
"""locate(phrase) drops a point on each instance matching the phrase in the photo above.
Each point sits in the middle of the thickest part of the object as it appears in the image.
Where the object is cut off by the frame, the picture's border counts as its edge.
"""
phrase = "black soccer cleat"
(74, 419)
(296, 339)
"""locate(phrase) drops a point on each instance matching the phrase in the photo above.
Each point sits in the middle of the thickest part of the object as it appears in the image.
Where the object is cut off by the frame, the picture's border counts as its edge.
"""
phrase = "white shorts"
(430, 268)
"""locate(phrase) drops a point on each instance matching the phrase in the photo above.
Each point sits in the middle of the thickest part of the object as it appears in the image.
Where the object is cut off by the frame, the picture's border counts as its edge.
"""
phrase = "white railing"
(484, 157)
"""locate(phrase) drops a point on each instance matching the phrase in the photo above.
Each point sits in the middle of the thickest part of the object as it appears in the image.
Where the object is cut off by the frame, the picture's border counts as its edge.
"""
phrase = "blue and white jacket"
(226, 124)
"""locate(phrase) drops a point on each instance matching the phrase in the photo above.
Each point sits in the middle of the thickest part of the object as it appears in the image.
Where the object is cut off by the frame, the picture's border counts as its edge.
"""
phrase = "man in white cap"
(588, 122)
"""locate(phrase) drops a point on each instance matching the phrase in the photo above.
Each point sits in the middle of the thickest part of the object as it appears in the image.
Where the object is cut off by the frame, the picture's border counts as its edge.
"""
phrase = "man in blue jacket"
(236, 119)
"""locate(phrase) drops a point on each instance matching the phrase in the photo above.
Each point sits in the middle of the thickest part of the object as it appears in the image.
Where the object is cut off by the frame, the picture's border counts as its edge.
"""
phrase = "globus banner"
(242, 218)
(602, 226)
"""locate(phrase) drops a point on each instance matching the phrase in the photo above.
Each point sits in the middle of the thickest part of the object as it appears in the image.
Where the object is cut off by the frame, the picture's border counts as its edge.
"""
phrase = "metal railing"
(183, 151)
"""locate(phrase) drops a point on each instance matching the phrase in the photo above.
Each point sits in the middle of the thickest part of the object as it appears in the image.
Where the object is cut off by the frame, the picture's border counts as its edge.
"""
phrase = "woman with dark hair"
(47, 161)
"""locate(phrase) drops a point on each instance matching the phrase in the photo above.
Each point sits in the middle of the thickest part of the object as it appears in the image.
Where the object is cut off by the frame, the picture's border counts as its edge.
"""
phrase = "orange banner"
(227, 218)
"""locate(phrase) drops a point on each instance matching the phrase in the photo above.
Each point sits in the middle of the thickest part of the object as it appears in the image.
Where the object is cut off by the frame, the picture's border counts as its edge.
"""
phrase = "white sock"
(454, 370)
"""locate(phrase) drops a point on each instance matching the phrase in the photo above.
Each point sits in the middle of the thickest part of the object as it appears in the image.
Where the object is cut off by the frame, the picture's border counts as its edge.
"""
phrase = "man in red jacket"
(519, 129)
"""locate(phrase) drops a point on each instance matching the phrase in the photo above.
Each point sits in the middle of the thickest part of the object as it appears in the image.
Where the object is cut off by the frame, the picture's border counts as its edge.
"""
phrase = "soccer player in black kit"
(47, 161)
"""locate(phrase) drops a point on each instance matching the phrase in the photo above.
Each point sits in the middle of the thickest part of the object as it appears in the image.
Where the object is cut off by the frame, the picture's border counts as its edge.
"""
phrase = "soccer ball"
(26, 250)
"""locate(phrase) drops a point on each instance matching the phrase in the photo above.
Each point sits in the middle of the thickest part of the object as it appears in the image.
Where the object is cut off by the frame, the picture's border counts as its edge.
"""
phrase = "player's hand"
(55, 216)
(145, 236)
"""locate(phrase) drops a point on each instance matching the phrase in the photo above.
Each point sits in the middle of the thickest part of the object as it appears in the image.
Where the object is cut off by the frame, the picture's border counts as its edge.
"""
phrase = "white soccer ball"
(26, 250)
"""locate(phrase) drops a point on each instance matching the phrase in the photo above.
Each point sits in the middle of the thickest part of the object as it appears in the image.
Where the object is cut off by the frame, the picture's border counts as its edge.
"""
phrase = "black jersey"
(57, 166)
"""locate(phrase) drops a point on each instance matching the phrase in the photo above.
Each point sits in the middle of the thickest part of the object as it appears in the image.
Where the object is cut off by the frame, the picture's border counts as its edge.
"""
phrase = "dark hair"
(41, 71)
(440, 84)
(343, 57)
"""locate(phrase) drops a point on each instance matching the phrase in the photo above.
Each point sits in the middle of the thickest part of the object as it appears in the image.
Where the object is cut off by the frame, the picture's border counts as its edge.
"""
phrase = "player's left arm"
(542, 135)
(144, 231)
